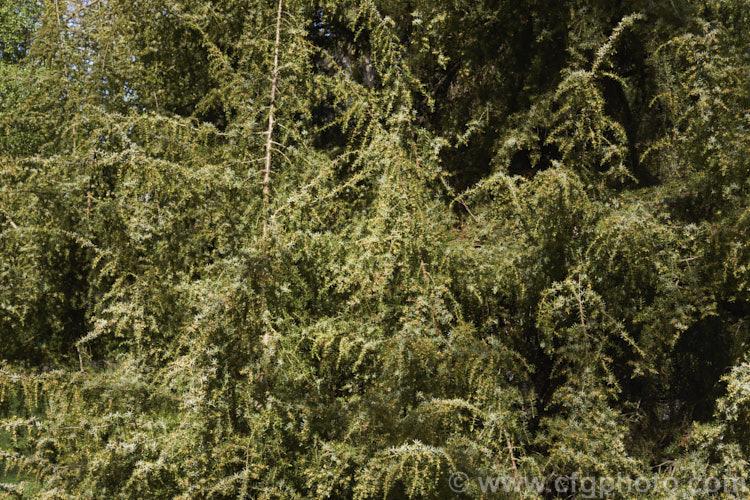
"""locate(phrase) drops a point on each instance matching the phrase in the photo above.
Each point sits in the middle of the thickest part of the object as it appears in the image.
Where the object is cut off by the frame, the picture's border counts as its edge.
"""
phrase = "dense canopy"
(293, 249)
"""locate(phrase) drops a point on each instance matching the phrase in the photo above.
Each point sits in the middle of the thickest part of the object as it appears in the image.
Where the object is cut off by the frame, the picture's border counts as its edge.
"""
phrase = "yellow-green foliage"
(507, 239)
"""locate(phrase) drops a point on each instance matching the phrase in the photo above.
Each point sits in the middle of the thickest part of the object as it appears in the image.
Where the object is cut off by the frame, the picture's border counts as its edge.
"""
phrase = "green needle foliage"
(293, 249)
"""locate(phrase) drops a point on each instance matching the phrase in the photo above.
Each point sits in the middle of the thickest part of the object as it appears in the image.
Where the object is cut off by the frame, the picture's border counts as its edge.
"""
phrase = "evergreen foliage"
(292, 249)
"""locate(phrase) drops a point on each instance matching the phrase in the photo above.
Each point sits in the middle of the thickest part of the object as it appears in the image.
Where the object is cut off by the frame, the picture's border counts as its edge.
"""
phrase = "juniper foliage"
(294, 249)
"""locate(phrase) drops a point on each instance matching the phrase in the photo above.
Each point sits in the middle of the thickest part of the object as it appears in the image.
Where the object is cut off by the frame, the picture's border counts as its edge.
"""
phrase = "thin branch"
(269, 133)
(284, 155)
(579, 297)
(468, 210)
(512, 457)
(80, 358)
(10, 221)
(269, 149)
(59, 20)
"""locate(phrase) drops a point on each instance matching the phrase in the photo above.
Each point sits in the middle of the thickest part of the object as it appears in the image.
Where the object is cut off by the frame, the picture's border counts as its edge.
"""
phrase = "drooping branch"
(269, 132)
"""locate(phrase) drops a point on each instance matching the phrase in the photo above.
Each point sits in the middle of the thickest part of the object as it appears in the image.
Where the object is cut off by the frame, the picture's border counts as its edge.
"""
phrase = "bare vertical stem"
(269, 146)
(512, 458)
(269, 132)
